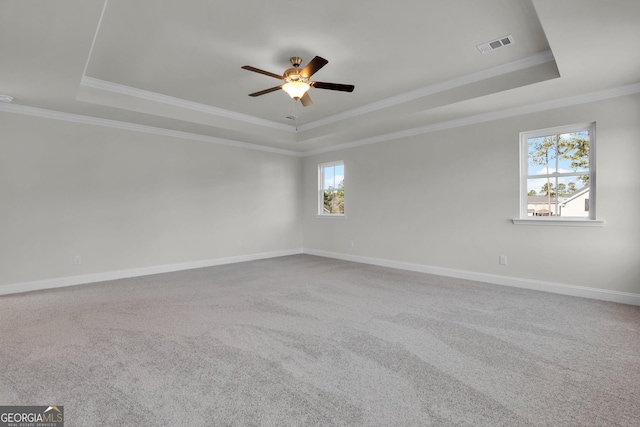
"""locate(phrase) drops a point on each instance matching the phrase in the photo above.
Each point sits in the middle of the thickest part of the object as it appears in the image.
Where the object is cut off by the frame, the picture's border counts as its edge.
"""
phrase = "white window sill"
(331, 216)
(559, 222)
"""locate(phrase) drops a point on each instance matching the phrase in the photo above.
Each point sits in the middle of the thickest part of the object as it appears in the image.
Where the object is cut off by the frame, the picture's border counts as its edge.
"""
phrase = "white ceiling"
(414, 63)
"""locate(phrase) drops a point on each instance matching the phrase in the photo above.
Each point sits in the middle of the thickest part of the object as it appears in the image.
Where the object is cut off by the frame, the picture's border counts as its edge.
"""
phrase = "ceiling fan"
(296, 80)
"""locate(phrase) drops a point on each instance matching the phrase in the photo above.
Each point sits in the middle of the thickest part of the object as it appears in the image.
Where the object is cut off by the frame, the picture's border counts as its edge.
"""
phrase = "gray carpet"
(304, 340)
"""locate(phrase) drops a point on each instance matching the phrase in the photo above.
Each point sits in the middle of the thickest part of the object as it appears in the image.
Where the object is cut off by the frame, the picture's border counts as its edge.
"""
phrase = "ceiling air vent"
(495, 44)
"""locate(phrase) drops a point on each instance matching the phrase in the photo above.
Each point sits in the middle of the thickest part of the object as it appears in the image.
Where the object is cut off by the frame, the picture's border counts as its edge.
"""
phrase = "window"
(331, 189)
(558, 173)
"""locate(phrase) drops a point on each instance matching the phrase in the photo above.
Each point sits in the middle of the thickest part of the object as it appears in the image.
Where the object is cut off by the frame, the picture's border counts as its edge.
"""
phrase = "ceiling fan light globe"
(296, 89)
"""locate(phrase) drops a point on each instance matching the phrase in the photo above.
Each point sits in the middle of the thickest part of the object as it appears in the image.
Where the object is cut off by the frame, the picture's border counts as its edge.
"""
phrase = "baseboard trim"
(136, 272)
(537, 285)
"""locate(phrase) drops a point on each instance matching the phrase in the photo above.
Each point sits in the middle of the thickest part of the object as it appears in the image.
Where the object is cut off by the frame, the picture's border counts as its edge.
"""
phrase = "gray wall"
(124, 199)
(446, 199)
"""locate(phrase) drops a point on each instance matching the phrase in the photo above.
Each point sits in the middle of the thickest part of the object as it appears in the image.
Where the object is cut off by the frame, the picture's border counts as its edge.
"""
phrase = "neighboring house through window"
(558, 172)
(331, 189)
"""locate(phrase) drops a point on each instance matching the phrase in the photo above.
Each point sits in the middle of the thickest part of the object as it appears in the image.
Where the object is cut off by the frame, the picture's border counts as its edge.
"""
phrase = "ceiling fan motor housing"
(293, 74)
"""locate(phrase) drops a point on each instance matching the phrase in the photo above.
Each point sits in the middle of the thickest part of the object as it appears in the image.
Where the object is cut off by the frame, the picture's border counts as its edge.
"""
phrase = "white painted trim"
(537, 285)
(329, 164)
(510, 67)
(181, 103)
(464, 121)
(559, 222)
(97, 121)
(136, 272)
(524, 63)
(95, 37)
(485, 117)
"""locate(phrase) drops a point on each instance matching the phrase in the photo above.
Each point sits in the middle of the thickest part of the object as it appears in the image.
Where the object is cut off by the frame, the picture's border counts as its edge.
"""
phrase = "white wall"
(414, 200)
(126, 200)
(129, 200)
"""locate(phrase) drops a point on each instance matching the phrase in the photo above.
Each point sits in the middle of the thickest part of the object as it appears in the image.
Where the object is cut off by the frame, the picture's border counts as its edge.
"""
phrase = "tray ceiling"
(176, 65)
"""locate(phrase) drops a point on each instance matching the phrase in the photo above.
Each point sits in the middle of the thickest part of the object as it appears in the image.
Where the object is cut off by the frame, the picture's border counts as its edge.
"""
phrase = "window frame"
(524, 219)
(321, 189)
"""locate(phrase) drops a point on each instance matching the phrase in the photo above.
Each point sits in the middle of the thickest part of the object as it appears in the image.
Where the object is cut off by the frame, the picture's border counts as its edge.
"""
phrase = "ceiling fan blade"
(333, 86)
(262, 92)
(312, 67)
(258, 70)
(306, 100)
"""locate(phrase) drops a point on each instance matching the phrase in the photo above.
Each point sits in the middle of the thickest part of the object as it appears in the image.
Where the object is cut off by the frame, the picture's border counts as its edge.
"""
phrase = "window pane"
(573, 203)
(574, 151)
(339, 176)
(541, 197)
(542, 154)
(561, 153)
(333, 177)
(563, 196)
(569, 185)
(328, 174)
(334, 202)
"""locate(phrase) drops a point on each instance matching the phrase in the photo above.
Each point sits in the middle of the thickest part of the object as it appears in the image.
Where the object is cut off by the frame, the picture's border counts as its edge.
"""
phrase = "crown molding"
(485, 117)
(521, 64)
(470, 120)
(97, 121)
(181, 103)
(540, 58)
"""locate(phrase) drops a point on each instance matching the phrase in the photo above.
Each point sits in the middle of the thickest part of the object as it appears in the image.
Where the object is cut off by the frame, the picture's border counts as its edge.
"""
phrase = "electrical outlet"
(503, 260)
(77, 260)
